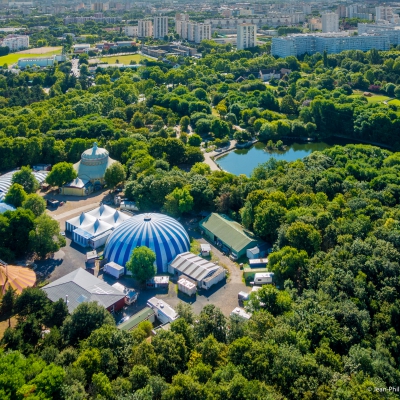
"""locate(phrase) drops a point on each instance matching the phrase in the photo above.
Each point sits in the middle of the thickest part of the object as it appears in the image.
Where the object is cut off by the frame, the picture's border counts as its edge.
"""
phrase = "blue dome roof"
(162, 234)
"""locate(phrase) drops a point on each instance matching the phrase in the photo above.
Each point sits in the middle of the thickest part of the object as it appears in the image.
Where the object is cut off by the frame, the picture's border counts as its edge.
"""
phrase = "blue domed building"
(161, 233)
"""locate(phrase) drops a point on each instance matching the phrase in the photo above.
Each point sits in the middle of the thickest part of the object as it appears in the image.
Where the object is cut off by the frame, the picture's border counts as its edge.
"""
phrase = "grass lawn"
(14, 57)
(396, 102)
(126, 60)
(374, 99)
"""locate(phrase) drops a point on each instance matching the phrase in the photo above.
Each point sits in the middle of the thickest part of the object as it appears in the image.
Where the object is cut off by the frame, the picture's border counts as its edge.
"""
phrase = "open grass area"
(376, 98)
(14, 57)
(396, 102)
(126, 60)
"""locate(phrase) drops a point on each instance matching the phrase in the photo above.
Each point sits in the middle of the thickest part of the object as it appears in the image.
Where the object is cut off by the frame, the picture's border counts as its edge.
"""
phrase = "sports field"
(126, 60)
(39, 52)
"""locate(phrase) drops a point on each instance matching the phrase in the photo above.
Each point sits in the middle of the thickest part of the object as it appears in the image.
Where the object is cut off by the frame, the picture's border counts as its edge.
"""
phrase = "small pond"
(243, 161)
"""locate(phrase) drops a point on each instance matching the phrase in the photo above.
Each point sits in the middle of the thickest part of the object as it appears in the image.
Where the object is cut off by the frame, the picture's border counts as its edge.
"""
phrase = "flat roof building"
(163, 311)
(333, 43)
(246, 36)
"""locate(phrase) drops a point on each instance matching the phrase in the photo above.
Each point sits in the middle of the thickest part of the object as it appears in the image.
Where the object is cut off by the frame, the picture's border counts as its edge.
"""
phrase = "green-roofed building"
(147, 314)
(228, 234)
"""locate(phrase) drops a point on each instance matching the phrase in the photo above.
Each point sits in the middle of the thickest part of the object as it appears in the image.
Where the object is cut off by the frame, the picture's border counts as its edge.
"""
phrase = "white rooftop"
(164, 307)
(241, 313)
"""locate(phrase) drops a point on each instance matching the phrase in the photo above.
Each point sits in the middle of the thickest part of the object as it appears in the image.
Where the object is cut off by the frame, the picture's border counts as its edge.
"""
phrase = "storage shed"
(229, 235)
(187, 287)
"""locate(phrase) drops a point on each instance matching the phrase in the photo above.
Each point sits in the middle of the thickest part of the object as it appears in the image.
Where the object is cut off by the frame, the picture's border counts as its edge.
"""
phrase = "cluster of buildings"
(190, 30)
(98, 17)
(156, 28)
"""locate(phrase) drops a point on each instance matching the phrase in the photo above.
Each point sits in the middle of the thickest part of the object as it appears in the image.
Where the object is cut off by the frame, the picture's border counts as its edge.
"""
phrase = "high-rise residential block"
(330, 22)
(246, 36)
(160, 27)
(145, 28)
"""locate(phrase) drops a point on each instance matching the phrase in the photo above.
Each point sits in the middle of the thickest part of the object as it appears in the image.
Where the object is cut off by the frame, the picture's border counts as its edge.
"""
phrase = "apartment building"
(145, 28)
(246, 36)
(386, 14)
(130, 31)
(181, 21)
(160, 27)
(330, 22)
(16, 42)
(297, 45)
(196, 32)
(99, 7)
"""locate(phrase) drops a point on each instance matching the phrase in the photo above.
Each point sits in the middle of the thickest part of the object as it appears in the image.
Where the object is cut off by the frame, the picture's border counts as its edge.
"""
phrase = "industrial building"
(333, 43)
(232, 237)
(93, 228)
(80, 286)
(38, 61)
(203, 272)
(160, 233)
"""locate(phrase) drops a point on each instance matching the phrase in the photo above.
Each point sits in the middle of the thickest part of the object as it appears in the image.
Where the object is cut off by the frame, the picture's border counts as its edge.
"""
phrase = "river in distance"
(243, 161)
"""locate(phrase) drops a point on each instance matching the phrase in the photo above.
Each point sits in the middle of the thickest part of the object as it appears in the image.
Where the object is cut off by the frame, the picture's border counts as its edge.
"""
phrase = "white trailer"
(114, 269)
(264, 278)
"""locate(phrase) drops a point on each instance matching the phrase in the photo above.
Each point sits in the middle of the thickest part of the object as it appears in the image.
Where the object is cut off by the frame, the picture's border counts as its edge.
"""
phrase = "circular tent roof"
(18, 278)
(93, 164)
(162, 234)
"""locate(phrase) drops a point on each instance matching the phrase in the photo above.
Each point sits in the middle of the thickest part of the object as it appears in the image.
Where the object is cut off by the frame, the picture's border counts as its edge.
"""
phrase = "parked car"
(124, 319)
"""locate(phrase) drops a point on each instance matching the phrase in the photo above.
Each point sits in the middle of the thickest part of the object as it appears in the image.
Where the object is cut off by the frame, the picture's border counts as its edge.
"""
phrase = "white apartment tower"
(196, 32)
(160, 27)
(16, 42)
(180, 23)
(330, 22)
(145, 28)
(246, 36)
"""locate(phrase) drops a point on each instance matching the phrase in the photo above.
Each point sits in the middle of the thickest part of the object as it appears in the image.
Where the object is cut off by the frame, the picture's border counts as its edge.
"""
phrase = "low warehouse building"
(80, 286)
(229, 235)
(205, 273)
(147, 314)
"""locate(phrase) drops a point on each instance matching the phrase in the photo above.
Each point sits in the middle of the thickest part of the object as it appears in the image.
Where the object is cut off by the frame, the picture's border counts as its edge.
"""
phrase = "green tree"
(141, 264)
(102, 388)
(35, 203)
(194, 140)
(114, 175)
(304, 237)
(268, 218)
(288, 105)
(86, 318)
(211, 321)
(26, 179)
(184, 123)
(7, 304)
(178, 202)
(45, 238)
(16, 195)
(272, 299)
(61, 174)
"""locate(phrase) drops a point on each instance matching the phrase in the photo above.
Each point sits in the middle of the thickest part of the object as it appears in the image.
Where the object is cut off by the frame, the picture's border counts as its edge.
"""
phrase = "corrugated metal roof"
(81, 286)
(193, 266)
(228, 231)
